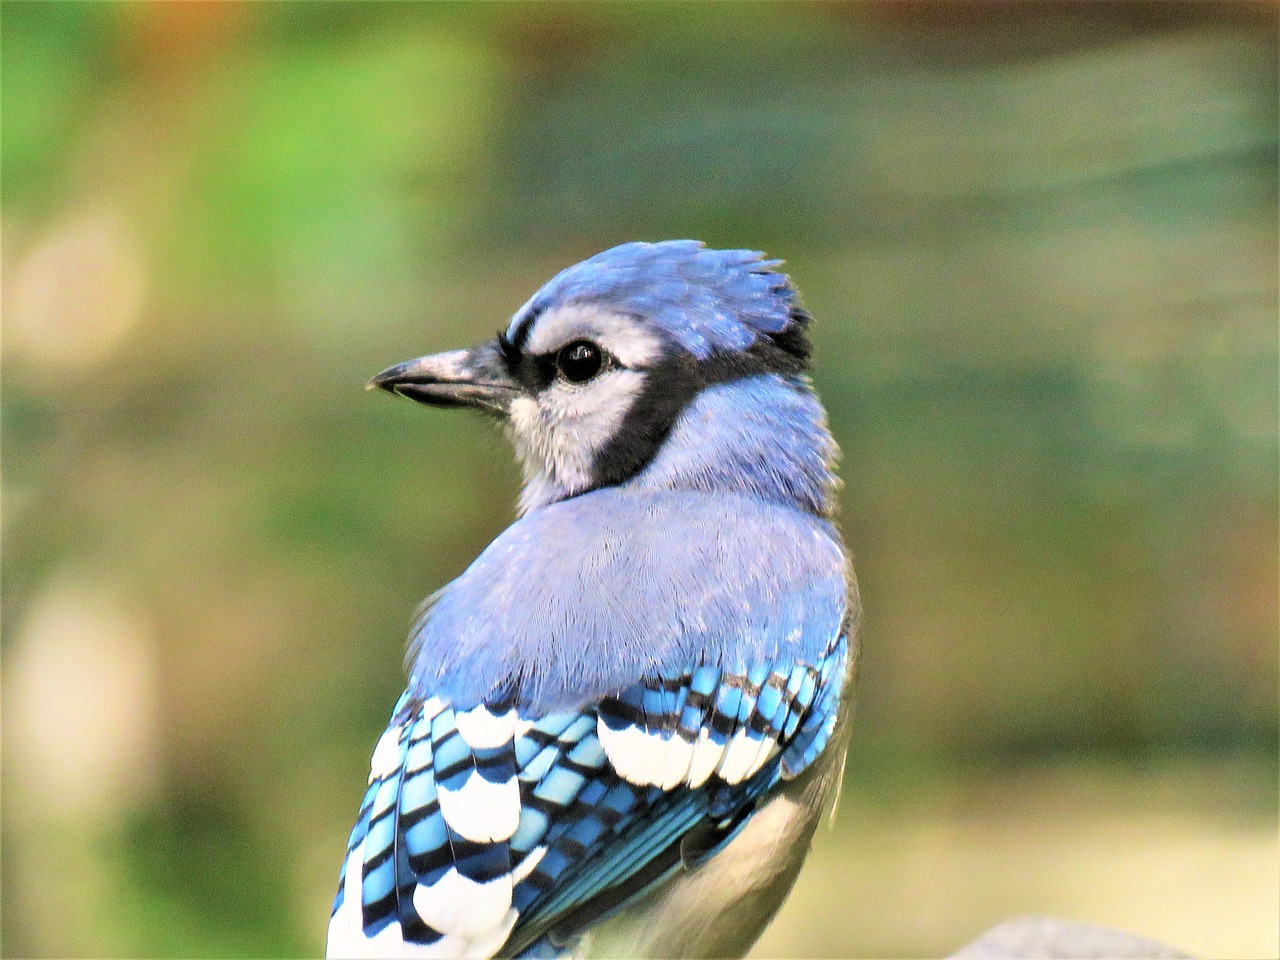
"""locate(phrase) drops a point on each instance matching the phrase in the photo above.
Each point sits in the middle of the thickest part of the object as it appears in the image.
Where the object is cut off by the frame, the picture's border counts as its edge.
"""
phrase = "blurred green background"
(1040, 244)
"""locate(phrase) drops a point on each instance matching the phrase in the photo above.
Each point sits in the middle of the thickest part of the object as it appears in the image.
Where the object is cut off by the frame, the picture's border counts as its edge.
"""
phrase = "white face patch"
(559, 433)
(625, 337)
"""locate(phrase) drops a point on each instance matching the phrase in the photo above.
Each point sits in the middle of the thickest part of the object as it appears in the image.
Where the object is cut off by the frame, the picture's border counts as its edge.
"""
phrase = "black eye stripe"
(786, 353)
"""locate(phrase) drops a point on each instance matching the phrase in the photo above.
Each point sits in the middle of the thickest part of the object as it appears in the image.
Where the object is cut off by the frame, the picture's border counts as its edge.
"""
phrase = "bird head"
(595, 371)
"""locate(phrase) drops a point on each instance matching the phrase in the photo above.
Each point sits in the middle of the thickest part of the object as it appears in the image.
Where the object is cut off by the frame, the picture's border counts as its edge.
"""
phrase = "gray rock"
(1045, 937)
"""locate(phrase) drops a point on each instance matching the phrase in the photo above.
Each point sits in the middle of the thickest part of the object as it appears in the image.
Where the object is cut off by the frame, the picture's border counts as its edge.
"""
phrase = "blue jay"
(624, 720)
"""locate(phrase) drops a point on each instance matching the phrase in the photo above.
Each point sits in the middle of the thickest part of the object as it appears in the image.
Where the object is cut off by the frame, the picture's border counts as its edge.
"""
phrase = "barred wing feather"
(485, 832)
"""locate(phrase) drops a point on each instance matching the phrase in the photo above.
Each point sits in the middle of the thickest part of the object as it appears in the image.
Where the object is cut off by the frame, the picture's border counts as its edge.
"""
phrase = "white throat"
(559, 434)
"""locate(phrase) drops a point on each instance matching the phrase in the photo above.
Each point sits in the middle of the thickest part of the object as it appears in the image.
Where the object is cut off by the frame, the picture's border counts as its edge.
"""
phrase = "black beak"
(460, 378)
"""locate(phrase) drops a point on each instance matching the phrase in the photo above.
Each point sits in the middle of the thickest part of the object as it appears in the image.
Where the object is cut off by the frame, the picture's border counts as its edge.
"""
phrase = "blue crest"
(705, 300)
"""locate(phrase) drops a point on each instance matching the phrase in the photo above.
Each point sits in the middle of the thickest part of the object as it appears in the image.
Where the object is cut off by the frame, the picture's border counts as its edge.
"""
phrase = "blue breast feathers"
(581, 599)
(487, 829)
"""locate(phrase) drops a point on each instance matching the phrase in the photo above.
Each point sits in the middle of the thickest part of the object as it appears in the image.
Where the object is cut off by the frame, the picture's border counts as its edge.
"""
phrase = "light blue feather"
(705, 300)
(749, 581)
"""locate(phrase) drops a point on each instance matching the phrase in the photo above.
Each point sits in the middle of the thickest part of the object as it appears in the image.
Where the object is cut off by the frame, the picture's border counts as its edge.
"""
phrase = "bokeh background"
(1040, 244)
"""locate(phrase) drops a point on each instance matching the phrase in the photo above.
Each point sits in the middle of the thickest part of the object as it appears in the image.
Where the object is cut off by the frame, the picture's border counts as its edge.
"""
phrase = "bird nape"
(624, 720)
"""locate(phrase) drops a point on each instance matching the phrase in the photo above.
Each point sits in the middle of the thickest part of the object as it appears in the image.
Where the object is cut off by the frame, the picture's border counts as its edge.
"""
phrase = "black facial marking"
(671, 385)
(668, 388)
(795, 338)
(525, 326)
(509, 352)
(534, 372)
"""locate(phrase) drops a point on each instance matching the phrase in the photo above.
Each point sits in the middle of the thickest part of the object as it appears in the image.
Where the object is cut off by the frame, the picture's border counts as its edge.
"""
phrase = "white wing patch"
(706, 757)
(347, 939)
(417, 815)
(463, 907)
(634, 752)
(676, 760)
(682, 731)
(666, 761)
(482, 811)
(741, 757)
(482, 729)
(386, 755)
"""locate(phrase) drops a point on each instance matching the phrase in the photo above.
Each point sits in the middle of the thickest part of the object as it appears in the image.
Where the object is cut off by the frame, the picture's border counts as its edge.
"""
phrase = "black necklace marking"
(670, 386)
(673, 383)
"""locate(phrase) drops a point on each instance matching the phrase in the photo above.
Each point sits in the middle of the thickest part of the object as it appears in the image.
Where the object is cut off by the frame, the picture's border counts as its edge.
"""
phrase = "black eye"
(579, 361)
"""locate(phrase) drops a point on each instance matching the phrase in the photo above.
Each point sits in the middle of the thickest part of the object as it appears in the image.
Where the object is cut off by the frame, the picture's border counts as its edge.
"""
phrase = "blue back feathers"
(577, 600)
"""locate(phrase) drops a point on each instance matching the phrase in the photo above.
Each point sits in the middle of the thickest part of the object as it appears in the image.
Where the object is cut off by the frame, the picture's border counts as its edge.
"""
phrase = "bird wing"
(484, 832)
